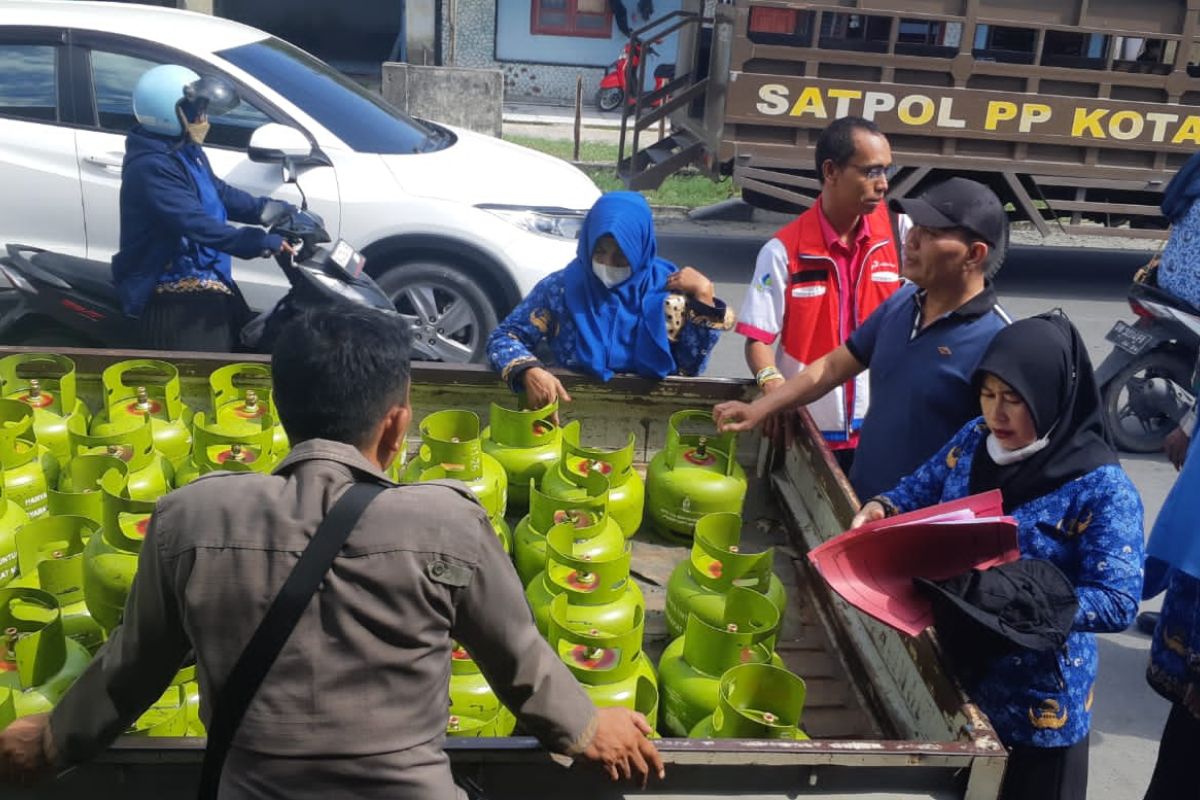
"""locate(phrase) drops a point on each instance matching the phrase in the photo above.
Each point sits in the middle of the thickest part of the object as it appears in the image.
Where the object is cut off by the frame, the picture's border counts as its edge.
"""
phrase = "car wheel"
(450, 314)
(1142, 402)
(609, 99)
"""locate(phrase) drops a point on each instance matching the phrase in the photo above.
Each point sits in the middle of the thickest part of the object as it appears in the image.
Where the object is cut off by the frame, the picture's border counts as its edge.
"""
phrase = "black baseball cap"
(958, 203)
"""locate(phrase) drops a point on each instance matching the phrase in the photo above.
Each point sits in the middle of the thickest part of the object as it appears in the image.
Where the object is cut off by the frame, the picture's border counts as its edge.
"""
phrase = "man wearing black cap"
(921, 345)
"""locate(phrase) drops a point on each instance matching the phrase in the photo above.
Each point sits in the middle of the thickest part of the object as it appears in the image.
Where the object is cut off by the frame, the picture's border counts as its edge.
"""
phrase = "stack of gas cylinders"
(78, 486)
(77, 489)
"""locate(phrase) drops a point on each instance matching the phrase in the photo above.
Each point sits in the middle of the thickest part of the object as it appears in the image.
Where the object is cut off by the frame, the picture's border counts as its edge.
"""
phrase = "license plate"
(1129, 338)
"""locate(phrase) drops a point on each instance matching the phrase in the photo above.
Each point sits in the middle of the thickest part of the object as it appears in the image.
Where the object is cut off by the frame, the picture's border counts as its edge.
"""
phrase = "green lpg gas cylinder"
(450, 448)
(110, 559)
(38, 663)
(626, 490)
(12, 517)
(137, 387)
(78, 493)
(185, 679)
(168, 716)
(474, 708)
(699, 583)
(525, 443)
(755, 701)
(693, 475)
(546, 511)
(594, 574)
(30, 469)
(46, 383)
(691, 667)
(150, 474)
(611, 667)
(8, 707)
(214, 448)
(50, 554)
(242, 403)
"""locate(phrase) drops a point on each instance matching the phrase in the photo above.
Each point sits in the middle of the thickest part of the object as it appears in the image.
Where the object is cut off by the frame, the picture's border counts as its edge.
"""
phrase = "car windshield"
(360, 118)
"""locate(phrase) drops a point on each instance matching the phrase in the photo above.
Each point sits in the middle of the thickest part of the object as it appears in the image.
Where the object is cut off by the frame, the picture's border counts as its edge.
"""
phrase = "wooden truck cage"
(1076, 112)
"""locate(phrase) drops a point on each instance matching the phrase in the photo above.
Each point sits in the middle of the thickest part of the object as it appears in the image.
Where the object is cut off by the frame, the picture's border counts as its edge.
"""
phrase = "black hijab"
(1044, 360)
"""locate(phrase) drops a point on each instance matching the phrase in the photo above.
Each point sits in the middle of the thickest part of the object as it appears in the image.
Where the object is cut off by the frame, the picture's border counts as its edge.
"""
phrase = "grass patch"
(689, 191)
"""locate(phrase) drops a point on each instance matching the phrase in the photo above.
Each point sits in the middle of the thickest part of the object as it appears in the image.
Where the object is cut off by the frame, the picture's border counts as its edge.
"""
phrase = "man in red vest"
(822, 275)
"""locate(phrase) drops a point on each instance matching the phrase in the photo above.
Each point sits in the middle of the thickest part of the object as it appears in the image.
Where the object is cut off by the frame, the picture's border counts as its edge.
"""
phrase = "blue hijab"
(622, 329)
(1182, 190)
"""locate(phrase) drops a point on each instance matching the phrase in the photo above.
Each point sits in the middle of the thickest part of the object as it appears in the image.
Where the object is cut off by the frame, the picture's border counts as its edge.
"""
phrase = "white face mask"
(1004, 457)
(610, 276)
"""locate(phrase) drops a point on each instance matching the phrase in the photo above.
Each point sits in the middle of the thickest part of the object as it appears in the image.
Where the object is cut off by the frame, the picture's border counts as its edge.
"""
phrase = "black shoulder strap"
(277, 625)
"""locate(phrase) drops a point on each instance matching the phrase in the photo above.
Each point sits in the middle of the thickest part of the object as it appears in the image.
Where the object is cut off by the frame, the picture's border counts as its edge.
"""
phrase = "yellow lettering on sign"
(1161, 121)
(810, 102)
(922, 117)
(1089, 122)
(843, 97)
(1189, 131)
(1033, 114)
(1126, 125)
(999, 111)
(774, 97)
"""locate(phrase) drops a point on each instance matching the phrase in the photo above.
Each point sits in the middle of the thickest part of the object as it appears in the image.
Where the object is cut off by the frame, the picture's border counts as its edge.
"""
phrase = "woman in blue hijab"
(617, 307)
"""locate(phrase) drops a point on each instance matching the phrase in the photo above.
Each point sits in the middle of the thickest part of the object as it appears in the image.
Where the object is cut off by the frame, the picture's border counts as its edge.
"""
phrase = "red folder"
(872, 567)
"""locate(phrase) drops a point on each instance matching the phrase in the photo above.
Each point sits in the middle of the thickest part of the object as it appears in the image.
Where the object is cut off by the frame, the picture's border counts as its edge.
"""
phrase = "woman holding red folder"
(1041, 441)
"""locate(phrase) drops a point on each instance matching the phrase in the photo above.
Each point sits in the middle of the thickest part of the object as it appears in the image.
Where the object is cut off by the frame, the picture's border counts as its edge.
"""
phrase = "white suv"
(456, 226)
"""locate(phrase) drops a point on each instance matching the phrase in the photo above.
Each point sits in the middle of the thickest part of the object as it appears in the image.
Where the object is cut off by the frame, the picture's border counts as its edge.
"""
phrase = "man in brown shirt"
(357, 701)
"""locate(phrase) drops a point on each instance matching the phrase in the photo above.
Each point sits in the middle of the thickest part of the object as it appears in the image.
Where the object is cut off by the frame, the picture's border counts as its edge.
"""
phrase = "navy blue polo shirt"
(920, 382)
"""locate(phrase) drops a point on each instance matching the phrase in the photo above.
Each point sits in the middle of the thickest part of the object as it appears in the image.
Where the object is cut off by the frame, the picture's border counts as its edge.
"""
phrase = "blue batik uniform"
(1091, 529)
(572, 320)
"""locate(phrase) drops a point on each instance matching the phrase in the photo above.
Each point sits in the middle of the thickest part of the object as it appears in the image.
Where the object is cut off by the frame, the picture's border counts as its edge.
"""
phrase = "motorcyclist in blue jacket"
(172, 271)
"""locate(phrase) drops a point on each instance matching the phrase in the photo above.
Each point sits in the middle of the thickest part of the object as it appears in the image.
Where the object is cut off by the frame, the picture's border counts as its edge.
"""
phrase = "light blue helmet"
(157, 95)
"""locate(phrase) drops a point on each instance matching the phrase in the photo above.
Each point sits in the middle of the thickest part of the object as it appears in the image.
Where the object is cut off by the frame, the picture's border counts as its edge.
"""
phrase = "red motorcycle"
(613, 86)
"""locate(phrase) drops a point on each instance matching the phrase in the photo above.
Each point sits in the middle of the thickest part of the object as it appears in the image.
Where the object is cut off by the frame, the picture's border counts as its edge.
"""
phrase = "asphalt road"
(1089, 285)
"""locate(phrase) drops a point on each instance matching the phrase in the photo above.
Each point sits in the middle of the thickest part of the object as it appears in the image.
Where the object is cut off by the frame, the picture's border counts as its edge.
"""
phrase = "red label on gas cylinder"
(593, 658)
(248, 412)
(242, 456)
(603, 467)
(460, 654)
(700, 459)
(583, 581)
(41, 401)
(715, 569)
(141, 528)
(138, 409)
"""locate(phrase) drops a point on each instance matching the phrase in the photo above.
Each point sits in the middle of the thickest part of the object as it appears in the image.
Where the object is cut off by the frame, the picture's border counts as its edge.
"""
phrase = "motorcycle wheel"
(1136, 426)
(609, 99)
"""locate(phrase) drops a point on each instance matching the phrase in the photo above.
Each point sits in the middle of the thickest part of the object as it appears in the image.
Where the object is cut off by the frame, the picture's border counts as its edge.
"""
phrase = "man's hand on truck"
(620, 746)
(24, 758)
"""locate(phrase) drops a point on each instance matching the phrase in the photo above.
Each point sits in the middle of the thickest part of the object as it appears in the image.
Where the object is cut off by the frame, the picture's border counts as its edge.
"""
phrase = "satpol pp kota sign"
(760, 99)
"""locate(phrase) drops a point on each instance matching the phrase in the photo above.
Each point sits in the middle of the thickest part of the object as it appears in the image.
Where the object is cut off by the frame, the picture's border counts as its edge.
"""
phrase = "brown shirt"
(366, 671)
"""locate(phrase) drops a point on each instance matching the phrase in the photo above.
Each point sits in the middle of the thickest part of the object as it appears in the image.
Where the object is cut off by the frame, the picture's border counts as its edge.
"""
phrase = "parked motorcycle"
(68, 301)
(614, 85)
(1146, 382)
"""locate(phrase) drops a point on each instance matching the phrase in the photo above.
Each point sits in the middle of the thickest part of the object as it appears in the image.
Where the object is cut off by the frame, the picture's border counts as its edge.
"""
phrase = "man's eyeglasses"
(877, 171)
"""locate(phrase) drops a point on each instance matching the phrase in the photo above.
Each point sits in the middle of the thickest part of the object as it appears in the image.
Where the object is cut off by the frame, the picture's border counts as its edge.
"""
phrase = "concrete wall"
(466, 98)
(539, 67)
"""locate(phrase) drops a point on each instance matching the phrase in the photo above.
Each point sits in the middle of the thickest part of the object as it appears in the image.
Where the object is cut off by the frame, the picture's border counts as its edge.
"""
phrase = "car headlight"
(557, 223)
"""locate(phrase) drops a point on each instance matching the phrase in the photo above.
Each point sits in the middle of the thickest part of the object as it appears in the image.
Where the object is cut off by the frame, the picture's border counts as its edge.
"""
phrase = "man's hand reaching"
(620, 746)
(23, 757)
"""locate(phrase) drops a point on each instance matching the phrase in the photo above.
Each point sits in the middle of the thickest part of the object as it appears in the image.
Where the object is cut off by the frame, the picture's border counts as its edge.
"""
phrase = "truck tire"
(449, 311)
(1134, 427)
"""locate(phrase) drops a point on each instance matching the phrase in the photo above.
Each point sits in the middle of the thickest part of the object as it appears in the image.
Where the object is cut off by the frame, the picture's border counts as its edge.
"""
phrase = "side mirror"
(278, 144)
